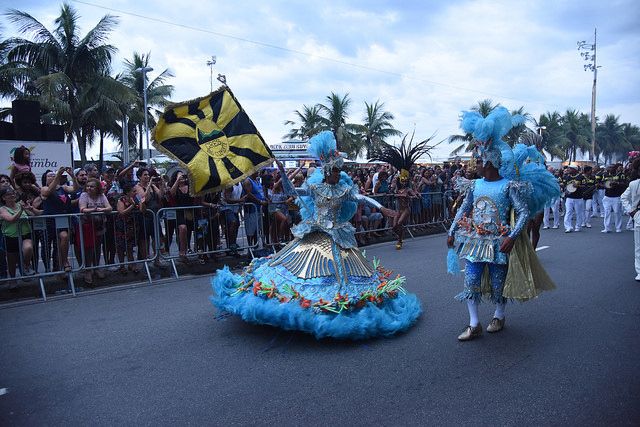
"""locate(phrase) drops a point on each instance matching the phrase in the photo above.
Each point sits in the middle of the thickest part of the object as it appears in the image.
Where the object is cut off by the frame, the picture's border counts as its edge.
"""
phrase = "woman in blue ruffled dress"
(321, 283)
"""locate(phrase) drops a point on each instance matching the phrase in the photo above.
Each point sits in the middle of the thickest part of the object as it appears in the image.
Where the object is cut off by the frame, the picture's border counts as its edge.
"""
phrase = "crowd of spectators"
(117, 222)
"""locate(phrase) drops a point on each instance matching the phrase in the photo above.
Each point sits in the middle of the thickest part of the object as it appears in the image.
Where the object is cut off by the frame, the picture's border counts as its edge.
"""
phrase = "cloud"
(426, 61)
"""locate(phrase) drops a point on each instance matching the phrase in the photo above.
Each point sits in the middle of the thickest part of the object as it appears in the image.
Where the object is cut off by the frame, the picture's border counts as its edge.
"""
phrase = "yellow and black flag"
(213, 139)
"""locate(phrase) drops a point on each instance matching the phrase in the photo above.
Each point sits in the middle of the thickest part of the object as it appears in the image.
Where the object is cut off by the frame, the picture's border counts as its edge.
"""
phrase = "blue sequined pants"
(473, 281)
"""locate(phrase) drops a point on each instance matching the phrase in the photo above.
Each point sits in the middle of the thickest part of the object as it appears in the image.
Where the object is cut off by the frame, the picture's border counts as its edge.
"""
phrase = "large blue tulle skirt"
(363, 307)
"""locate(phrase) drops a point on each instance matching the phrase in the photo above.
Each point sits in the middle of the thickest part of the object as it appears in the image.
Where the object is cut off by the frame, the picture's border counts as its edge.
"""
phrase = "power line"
(307, 54)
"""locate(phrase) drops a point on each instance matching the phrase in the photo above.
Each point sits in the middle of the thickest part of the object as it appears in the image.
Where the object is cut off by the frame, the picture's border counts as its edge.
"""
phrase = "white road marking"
(541, 248)
(4, 391)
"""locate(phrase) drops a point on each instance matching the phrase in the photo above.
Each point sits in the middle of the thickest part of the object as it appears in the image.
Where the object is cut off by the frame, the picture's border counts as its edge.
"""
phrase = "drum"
(571, 187)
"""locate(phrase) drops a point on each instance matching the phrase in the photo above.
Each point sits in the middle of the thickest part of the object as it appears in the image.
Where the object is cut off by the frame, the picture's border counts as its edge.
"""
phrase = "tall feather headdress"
(405, 156)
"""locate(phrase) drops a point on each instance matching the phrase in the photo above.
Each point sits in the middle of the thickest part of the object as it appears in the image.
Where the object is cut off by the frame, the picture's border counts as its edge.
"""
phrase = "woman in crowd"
(91, 202)
(150, 199)
(179, 193)
(56, 200)
(113, 192)
(125, 231)
(16, 229)
(279, 220)
(231, 200)
(207, 231)
(29, 194)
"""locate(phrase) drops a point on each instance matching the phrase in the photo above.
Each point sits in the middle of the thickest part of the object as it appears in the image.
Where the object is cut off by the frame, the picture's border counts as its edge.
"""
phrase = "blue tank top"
(256, 189)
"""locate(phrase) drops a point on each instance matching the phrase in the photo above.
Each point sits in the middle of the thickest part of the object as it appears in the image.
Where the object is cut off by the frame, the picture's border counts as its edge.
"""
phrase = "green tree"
(61, 69)
(158, 93)
(631, 135)
(309, 122)
(514, 134)
(377, 127)
(577, 134)
(550, 126)
(334, 118)
(610, 140)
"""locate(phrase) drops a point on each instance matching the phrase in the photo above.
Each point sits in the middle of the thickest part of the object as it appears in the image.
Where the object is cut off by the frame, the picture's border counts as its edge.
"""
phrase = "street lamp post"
(144, 71)
(589, 54)
(211, 63)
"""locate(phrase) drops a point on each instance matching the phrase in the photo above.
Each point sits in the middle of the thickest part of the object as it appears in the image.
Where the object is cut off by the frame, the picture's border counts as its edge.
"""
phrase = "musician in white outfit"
(615, 184)
(574, 203)
(631, 205)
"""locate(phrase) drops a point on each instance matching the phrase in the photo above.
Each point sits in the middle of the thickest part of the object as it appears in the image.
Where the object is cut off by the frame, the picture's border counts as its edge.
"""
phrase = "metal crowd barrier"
(202, 231)
(427, 209)
(99, 241)
(87, 237)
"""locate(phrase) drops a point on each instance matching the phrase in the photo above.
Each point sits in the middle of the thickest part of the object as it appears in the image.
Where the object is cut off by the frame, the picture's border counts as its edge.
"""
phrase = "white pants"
(588, 209)
(612, 205)
(555, 209)
(636, 241)
(573, 208)
(598, 208)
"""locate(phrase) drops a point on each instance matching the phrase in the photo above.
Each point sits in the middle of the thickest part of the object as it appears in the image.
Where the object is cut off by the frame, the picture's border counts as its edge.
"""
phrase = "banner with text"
(44, 155)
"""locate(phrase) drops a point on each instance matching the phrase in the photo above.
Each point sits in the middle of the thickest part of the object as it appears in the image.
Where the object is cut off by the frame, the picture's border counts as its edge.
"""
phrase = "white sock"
(499, 314)
(473, 312)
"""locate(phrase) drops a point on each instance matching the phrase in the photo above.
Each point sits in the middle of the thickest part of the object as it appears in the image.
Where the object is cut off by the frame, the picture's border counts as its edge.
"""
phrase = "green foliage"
(69, 74)
(333, 115)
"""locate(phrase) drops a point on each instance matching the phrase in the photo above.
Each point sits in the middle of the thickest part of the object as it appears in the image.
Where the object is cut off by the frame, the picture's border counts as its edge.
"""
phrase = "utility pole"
(588, 53)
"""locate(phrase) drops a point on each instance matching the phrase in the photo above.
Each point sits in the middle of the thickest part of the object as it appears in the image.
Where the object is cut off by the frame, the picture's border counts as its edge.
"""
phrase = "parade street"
(161, 355)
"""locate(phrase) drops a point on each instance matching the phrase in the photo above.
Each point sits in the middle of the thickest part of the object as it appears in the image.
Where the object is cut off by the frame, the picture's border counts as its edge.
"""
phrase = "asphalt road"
(161, 355)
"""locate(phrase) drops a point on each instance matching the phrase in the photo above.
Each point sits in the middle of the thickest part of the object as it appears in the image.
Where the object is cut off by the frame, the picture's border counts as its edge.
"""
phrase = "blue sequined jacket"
(483, 220)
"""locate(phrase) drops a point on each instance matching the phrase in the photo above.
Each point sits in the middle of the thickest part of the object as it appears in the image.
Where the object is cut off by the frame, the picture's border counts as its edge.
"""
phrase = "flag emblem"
(213, 139)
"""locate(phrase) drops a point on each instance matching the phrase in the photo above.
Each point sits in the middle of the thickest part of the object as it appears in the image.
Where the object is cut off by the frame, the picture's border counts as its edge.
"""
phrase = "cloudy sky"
(426, 60)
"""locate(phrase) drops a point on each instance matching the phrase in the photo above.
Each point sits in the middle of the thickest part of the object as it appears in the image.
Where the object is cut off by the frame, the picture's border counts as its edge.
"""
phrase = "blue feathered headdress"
(323, 147)
(488, 132)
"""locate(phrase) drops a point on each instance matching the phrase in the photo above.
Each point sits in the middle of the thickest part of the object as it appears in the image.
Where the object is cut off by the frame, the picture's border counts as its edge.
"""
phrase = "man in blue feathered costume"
(321, 283)
(514, 187)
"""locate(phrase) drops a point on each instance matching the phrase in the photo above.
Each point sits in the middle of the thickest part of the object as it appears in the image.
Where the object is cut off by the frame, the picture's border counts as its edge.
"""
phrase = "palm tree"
(484, 107)
(631, 135)
(610, 140)
(310, 123)
(577, 134)
(550, 124)
(514, 134)
(60, 67)
(377, 127)
(158, 92)
(334, 118)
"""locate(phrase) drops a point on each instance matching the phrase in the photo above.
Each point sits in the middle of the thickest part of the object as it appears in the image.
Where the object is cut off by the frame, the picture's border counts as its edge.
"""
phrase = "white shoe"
(568, 231)
(638, 278)
(555, 227)
(577, 230)
(546, 227)
(618, 231)
(588, 225)
(605, 231)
